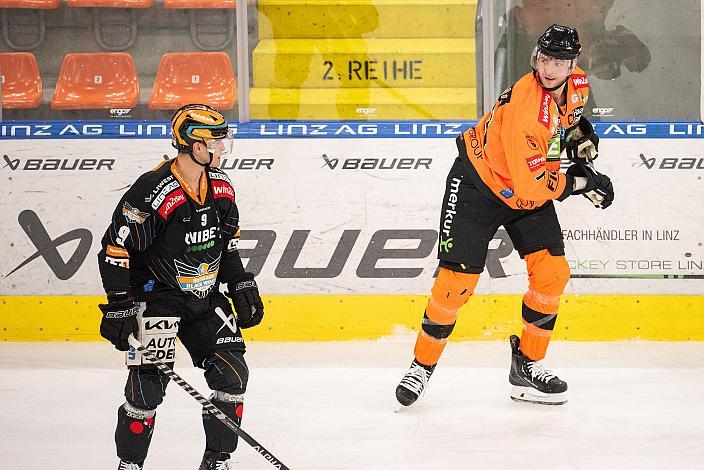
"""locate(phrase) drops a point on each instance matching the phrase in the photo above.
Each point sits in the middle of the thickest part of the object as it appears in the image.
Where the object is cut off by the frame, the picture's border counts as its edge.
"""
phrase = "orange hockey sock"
(450, 291)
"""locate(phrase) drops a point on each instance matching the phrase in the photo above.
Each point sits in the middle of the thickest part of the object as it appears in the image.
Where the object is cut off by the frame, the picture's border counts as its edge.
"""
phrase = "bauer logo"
(409, 262)
(58, 164)
(241, 164)
(670, 163)
(390, 163)
(47, 248)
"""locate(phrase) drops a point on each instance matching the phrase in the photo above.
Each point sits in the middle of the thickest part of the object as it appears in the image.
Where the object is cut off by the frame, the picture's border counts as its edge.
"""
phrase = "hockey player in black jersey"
(172, 242)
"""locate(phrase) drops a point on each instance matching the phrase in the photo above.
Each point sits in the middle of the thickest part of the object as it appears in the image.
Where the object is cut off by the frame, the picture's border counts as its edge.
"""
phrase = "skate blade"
(530, 395)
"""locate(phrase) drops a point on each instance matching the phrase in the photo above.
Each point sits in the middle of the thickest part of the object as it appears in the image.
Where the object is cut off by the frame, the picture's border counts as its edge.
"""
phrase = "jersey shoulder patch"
(161, 191)
(218, 174)
(221, 186)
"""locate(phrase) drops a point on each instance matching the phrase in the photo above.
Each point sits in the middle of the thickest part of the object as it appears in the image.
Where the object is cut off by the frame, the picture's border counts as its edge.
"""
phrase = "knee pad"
(548, 275)
(134, 432)
(146, 387)
(218, 437)
(450, 291)
(226, 371)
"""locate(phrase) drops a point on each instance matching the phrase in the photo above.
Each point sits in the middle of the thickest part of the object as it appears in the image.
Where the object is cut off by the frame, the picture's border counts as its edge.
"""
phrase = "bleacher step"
(366, 18)
(334, 63)
(363, 103)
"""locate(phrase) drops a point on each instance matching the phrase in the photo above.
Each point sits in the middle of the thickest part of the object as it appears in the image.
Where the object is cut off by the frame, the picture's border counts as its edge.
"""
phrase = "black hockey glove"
(599, 189)
(582, 143)
(119, 320)
(245, 298)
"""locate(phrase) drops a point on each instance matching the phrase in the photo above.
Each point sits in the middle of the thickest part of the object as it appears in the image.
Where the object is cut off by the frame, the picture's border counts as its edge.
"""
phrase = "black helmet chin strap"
(204, 165)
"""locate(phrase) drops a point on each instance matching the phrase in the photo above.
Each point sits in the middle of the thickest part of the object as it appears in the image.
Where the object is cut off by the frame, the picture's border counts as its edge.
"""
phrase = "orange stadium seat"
(200, 3)
(194, 77)
(37, 4)
(20, 81)
(111, 3)
(96, 81)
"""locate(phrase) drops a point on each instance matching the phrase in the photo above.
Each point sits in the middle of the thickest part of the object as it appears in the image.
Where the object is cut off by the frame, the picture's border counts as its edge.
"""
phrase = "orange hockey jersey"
(514, 150)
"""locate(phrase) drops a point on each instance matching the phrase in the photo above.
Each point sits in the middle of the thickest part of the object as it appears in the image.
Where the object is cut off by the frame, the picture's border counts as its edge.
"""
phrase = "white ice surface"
(634, 405)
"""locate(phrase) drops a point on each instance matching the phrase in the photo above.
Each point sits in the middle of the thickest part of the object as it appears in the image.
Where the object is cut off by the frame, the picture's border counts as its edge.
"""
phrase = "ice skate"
(413, 384)
(531, 381)
(213, 460)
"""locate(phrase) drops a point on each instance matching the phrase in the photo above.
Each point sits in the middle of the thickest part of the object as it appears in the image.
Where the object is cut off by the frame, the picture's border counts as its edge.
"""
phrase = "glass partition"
(335, 59)
(363, 59)
(642, 56)
(116, 59)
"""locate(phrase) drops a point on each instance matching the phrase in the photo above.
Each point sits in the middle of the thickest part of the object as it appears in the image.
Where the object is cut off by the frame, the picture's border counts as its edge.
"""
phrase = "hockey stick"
(207, 405)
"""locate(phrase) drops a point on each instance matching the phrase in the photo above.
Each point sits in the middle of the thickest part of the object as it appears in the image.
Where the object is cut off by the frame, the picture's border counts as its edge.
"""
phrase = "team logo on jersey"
(532, 142)
(133, 215)
(524, 204)
(198, 280)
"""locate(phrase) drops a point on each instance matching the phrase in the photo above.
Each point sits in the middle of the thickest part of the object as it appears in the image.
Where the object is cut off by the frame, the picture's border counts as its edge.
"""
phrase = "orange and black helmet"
(196, 123)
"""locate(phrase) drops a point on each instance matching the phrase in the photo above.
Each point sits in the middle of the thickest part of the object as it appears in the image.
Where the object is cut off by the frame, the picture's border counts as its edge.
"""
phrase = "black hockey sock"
(219, 437)
(134, 433)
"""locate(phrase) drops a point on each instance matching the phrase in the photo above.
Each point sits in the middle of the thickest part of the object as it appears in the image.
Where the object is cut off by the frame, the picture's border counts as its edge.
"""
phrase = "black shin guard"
(219, 437)
(134, 432)
(436, 330)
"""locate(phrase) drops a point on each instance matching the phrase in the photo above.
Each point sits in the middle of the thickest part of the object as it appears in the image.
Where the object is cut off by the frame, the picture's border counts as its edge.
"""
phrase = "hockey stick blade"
(207, 404)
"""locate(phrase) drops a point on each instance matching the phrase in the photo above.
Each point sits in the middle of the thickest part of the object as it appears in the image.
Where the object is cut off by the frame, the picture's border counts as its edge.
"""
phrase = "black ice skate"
(129, 466)
(213, 460)
(413, 384)
(531, 381)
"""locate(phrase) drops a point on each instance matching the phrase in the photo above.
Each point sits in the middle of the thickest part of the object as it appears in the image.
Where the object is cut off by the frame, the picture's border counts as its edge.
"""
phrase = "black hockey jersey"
(164, 233)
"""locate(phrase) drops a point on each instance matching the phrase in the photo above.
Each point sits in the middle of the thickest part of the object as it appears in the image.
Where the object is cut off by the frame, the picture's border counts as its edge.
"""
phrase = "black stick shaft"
(207, 405)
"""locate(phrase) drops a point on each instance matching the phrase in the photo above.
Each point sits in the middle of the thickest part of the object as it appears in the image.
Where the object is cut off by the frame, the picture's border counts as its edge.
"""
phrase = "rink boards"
(339, 222)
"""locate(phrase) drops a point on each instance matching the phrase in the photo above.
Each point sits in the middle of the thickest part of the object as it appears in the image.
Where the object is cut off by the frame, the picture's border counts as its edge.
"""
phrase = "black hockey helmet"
(560, 42)
(196, 123)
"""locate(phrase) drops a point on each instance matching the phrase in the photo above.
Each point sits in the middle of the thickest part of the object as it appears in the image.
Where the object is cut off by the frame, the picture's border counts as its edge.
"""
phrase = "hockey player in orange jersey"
(508, 173)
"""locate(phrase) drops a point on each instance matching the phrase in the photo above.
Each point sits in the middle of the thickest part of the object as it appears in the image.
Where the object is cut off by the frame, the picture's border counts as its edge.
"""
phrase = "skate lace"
(129, 466)
(538, 371)
(416, 379)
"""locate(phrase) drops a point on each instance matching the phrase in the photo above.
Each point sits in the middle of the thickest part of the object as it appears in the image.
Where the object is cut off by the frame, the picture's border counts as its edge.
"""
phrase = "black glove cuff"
(117, 296)
(569, 187)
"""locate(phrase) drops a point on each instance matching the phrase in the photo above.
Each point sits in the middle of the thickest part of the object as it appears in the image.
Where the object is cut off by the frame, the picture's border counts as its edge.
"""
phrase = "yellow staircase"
(310, 19)
(357, 59)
